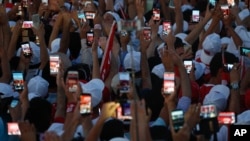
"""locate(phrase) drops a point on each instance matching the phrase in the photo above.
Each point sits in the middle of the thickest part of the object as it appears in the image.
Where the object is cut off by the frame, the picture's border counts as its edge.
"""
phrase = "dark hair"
(84, 71)
(39, 113)
(4, 105)
(74, 44)
(216, 62)
(112, 128)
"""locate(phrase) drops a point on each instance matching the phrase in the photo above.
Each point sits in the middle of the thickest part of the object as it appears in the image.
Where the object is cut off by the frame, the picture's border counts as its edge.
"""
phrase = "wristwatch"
(234, 85)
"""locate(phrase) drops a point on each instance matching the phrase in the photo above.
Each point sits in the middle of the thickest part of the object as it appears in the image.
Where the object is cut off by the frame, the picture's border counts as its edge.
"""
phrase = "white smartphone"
(195, 16)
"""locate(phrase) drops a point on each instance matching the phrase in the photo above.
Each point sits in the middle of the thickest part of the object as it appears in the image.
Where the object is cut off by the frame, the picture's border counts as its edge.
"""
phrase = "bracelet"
(70, 107)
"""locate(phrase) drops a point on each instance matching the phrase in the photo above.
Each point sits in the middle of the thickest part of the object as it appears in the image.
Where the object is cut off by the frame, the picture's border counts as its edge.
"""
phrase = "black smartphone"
(177, 119)
(195, 16)
(124, 82)
(169, 82)
(26, 49)
(147, 33)
(90, 15)
(72, 80)
(123, 111)
(27, 24)
(156, 14)
(13, 128)
(166, 27)
(90, 38)
(244, 51)
(54, 64)
(85, 104)
(18, 81)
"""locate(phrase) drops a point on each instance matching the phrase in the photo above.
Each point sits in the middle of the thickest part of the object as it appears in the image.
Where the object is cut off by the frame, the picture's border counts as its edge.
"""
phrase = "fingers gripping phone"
(123, 111)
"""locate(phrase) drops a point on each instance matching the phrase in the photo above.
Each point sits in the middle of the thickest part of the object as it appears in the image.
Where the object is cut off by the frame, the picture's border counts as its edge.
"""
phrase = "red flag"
(105, 65)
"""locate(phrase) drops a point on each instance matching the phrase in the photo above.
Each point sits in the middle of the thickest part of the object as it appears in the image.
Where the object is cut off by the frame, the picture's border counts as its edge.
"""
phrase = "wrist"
(234, 85)
(70, 107)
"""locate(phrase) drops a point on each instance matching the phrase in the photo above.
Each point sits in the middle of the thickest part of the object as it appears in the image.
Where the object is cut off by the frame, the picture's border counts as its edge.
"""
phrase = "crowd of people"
(119, 70)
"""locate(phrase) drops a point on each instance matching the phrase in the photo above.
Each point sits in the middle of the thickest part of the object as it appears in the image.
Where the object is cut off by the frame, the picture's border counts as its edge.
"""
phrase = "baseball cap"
(218, 96)
(211, 45)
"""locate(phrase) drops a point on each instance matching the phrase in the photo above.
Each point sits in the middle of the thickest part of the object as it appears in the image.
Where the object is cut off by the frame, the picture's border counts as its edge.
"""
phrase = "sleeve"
(86, 54)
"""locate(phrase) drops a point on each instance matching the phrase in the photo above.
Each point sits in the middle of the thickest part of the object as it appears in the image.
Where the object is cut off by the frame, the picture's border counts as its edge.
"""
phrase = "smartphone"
(225, 10)
(36, 20)
(54, 64)
(195, 16)
(14, 103)
(45, 2)
(171, 4)
(188, 64)
(72, 80)
(90, 15)
(231, 3)
(166, 27)
(129, 25)
(124, 82)
(228, 67)
(156, 14)
(90, 38)
(147, 33)
(208, 111)
(123, 111)
(27, 24)
(177, 119)
(85, 104)
(18, 81)
(244, 51)
(226, 118)
(212, 3)
(1, 1)
(81, 17)
(13, 128)
(169, 82)
(26, 49)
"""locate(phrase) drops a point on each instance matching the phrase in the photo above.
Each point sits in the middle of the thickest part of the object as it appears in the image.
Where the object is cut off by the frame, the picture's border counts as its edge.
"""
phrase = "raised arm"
(145, 72)
(64, 43)
(178, 17)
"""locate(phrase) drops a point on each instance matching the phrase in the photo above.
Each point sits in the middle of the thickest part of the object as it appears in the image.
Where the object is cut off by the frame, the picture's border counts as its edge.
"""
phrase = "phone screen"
(169, 83)
(81, 17)
(208, 111)
(212, 3)
(124, 82)
(36, 20)
(90, 15)
(225, 10)
(244, 51)
(13, 128)
(129, 25)
(123, 111)
(228, 67)
(26, 49)
(25, 3)
(54, 64)
(27, 24)
(156, 14)
(178, 119)
(45, 2)
(18, 81)
(147, 33)
(171, 4)
(195, 16)
(72, 81)
(90, 38)
(226, 118)
(188, 64)
(231, 3)
(14, 103)
(166, 27)
(85, 104)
